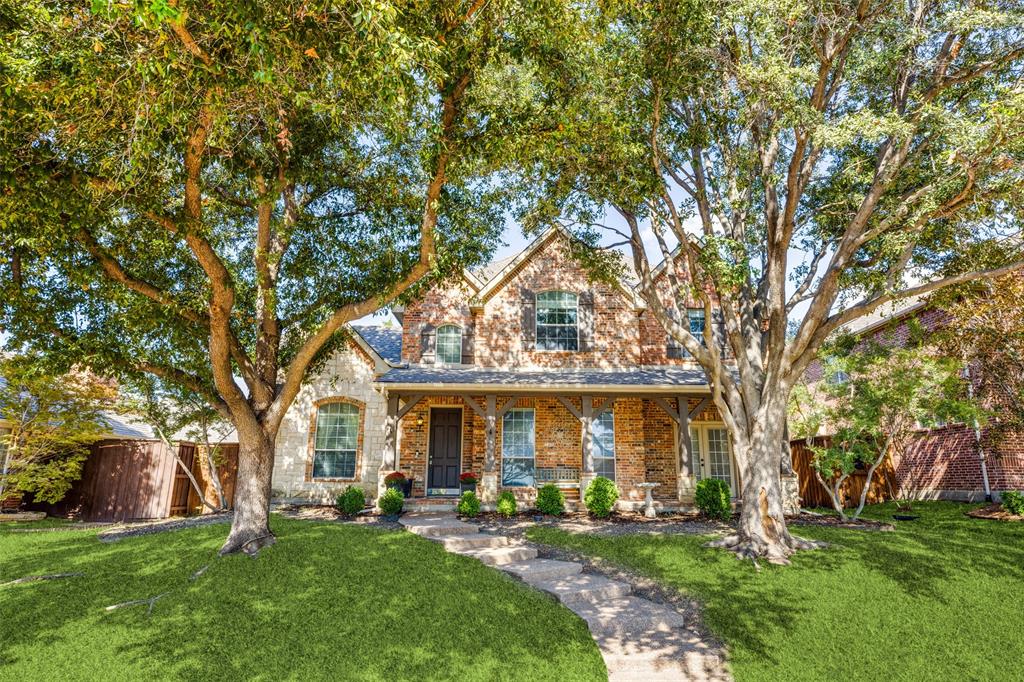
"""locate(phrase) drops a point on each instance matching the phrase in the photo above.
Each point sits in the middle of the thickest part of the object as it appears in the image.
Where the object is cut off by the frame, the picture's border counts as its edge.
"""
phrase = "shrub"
(391, 502)
(712, 498)
(1013, 502)
(351, 501)
(507, 504)
(394, 478)
(469, 504)
(550, 500)
(600, 497)
(468, 478)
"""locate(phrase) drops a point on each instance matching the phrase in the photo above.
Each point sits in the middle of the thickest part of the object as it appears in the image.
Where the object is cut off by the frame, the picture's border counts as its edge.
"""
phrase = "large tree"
(208, 191)
(799, 165)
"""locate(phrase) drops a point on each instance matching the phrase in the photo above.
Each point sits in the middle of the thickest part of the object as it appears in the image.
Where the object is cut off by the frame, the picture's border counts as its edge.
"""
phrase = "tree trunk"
(250, 527)
(762, 530)
(871, 475)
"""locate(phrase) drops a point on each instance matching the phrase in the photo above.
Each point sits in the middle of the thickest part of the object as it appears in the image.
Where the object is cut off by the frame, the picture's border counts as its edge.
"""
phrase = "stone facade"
(346, 377)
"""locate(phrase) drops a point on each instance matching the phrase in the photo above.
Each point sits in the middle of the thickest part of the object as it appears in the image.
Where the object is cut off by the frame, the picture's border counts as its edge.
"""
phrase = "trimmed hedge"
(469, 504)
(600, 497)
(507, 504)
(1013, 502)
(391, 502)
(352, 501)
(712, 498)
(550, 500)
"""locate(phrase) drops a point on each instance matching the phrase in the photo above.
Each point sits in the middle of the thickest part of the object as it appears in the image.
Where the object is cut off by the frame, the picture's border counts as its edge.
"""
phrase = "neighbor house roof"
(885, 314)
(661, 379)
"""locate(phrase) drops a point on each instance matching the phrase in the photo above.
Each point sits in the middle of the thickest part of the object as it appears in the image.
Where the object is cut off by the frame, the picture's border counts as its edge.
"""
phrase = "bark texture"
(250, 527)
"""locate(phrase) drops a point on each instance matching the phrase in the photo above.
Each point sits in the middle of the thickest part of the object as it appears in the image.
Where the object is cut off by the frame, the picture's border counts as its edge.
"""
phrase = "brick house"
(526, 373)
(944, 461)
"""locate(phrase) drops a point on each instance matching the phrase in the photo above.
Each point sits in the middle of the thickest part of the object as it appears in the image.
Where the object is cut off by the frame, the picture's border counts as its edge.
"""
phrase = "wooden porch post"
(587, 417)
(490, 478)
(686, 483)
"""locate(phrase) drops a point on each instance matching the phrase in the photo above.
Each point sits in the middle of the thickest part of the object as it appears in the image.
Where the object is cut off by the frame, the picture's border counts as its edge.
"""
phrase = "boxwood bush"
(391, 502)
(600, 497)
(469, 504)
(712, 498)
(1013, 502)
(550, 500)
(507, 504)
(351, 501)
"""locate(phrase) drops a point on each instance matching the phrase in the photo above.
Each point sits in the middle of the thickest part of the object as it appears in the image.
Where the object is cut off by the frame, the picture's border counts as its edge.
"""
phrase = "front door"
(712, 455)
(445, 451)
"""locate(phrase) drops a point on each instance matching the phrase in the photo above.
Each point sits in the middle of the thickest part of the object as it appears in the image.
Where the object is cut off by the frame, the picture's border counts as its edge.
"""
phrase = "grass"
(940, 598)
(327, 602)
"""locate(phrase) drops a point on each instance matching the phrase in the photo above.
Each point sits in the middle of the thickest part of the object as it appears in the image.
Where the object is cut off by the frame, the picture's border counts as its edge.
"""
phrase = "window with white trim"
(604, 444)
(517, 448)
(558, 321)
(449, 344)
(335, 441)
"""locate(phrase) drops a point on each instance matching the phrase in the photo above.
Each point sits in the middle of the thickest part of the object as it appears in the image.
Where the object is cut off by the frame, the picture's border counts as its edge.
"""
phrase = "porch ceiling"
(669, 380)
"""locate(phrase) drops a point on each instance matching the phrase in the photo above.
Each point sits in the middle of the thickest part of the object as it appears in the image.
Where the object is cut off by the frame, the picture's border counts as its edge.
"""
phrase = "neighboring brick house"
(944, 461)
(525, 373)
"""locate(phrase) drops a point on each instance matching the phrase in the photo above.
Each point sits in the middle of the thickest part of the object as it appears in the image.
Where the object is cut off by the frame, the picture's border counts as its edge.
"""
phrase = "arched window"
(335, 441)
(449, 344)
(558, 321)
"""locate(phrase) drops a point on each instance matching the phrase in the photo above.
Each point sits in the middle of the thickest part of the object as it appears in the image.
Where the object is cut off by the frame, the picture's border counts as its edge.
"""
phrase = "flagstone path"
(638, 639)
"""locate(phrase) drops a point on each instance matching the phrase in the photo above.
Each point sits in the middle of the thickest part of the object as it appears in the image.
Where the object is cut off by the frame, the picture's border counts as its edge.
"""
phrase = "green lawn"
(327, 602)
(941, 598)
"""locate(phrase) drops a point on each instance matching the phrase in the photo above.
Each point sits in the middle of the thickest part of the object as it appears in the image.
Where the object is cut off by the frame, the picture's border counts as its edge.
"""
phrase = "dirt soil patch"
(129, 530)
(994, 511)
(316, 512)
(805, 519)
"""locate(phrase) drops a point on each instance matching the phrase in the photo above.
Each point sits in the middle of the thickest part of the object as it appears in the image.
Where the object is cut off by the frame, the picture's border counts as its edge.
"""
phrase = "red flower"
(395, 477)
(467, 477)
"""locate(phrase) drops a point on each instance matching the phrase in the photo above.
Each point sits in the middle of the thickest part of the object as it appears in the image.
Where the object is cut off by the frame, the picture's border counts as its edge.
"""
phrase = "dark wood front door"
(445, 451)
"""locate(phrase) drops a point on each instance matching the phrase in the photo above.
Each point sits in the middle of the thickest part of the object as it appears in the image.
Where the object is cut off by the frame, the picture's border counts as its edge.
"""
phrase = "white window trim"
(533, 455)
(537, 323)
(437, 344)
(355, 450)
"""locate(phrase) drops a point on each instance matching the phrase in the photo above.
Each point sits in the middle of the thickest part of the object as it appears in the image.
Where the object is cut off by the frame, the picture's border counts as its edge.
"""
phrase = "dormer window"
(449, 344)
(558, 321)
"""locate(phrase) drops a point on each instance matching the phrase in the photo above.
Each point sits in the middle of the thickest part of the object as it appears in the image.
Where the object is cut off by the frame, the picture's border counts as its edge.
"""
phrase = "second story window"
(449, 344)
(695, 318)
(558, 321)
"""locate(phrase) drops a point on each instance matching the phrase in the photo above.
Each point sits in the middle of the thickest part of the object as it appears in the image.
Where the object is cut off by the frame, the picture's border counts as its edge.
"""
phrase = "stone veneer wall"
(347, 374)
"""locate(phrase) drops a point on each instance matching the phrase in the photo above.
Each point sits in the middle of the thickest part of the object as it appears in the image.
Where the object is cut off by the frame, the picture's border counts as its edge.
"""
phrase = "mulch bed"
(995, 512)
(619, 523)
(806, 519)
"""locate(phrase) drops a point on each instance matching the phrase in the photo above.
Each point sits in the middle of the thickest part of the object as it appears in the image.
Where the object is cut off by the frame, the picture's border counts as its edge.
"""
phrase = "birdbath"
(648, 499)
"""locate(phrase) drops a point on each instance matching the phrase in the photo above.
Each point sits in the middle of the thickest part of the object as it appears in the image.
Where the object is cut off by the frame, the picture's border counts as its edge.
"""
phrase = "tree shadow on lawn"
(326, 602)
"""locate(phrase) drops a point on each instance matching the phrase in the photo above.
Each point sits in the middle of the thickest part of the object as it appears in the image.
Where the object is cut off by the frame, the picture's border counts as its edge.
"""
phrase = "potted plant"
(468, 481)
(400, 482)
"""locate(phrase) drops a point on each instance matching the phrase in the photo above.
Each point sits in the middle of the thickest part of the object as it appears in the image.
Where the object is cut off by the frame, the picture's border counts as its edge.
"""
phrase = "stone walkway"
(639, 639)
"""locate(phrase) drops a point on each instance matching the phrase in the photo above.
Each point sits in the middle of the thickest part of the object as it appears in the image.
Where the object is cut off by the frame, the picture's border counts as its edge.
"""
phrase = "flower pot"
(538, 517)
(471, 487)
(407, 488)
(391, 518)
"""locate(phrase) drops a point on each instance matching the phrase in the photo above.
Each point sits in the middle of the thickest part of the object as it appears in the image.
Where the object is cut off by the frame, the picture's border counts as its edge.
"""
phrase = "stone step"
(437, 525)
(626, 615)
(584, 587)
(537, 570)
(479, 541)
(499, 556)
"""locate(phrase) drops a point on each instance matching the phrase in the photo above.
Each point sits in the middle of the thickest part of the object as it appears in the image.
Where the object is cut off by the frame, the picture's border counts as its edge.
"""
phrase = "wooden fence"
(140, 479)
(812, 494)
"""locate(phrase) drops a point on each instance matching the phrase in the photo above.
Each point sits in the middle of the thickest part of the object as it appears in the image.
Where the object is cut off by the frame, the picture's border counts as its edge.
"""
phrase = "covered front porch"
(518, 431)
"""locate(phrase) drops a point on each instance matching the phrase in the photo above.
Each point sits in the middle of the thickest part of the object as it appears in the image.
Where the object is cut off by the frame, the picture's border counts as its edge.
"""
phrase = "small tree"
(875, 398)
(52, 419)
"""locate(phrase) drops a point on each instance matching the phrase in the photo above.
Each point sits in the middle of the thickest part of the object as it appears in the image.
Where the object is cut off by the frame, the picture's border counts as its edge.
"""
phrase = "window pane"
(335, 441)
(449, 344)
(604, 445)
(517, 448)
(557, 321)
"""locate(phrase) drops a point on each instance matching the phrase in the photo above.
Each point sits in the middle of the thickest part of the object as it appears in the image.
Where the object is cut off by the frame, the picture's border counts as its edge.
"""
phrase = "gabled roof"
(885, 314)
(385, 342)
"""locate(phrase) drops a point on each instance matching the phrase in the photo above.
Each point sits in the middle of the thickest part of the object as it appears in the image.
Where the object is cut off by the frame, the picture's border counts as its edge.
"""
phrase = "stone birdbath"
(648, 499)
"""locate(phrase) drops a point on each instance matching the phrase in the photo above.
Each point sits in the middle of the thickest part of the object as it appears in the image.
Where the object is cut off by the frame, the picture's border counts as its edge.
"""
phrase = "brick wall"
(623, 337)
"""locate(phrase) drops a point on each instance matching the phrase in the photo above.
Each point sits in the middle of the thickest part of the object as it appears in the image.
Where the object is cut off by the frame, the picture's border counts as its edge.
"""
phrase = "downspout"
(977, 437)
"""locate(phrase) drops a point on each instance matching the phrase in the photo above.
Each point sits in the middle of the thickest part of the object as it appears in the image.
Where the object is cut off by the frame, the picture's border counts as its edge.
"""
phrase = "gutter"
(632, 389)
(977, 438)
